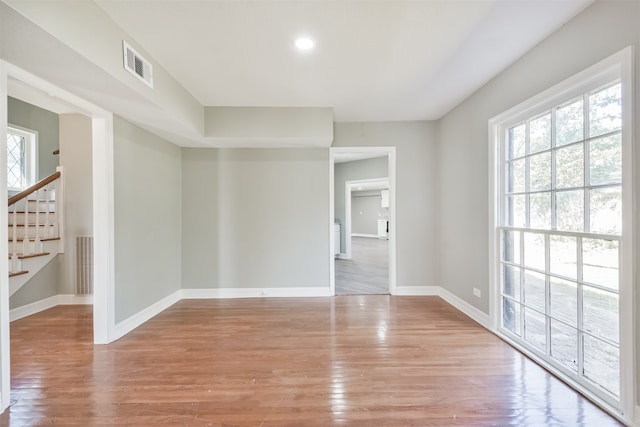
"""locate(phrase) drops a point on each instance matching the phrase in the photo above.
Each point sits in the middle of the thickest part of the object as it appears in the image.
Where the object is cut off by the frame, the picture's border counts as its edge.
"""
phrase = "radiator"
(84, 265)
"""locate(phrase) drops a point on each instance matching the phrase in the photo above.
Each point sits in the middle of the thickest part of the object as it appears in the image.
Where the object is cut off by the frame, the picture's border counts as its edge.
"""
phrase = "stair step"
(18, 273)
(33, 240)
(21, 256)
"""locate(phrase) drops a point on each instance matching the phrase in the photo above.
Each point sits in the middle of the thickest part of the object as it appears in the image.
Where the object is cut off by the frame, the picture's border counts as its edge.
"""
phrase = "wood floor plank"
(343, 361)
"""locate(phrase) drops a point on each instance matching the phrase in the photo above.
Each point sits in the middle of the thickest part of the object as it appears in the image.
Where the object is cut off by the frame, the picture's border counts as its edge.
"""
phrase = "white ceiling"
(373, 61)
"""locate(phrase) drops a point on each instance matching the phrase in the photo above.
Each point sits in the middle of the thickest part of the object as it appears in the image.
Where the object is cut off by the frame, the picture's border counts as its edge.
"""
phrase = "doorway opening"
(362, 212)
(32, 91)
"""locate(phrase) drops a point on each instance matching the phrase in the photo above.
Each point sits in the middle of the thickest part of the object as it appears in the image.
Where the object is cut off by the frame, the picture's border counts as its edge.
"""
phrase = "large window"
(559, 250)
(21, 158)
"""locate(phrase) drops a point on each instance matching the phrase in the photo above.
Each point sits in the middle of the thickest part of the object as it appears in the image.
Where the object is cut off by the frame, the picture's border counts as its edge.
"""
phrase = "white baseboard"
(477, 315)
(255, 293)
(75, 299)
(373, 236)
(47, 303)
(458, 303)
(129, 324)
(138, 319)
(417, 291)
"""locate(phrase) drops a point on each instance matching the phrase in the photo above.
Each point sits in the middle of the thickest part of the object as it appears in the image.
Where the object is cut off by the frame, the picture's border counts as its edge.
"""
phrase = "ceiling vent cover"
(137, 65)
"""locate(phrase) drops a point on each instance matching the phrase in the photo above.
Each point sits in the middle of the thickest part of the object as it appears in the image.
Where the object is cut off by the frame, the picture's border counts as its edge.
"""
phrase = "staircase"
(34, 229)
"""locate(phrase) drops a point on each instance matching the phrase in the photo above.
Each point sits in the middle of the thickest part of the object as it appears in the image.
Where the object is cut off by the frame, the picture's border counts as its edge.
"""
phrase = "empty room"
(320, 212)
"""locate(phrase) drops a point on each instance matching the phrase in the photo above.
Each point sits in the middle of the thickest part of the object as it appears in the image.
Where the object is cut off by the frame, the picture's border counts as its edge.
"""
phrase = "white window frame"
(617, 66)
(30, 154)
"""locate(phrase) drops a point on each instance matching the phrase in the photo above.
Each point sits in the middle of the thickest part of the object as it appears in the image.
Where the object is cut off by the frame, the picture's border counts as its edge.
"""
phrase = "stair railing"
(45, 192)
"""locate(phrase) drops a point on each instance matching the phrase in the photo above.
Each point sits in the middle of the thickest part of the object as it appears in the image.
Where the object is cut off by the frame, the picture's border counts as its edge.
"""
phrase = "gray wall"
(366, 210)
(46, 123)
(200, 218)
(262, 221)
(147, 218)
(76, 159)
(463, 156)
(353, 171)
(416, 187)
(602, 29)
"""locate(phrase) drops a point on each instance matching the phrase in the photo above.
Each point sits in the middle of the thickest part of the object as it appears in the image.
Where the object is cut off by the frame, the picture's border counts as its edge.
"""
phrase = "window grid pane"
(560, 284)
(15, 161)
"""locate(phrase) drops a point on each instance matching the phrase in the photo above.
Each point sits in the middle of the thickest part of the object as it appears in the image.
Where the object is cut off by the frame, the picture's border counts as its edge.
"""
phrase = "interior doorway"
(25, 86)
(363, 268)
(362, 195)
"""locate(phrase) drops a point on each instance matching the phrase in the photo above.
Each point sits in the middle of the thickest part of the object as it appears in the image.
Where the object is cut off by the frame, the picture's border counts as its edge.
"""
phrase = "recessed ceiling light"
(304, 43)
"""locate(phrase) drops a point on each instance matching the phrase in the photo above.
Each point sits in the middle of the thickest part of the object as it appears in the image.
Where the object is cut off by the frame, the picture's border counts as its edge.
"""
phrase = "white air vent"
(137, 65)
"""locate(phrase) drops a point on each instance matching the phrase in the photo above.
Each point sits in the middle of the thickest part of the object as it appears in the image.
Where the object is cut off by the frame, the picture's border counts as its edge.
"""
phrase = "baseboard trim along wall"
(417, 291)
(47, 303)
(479, 316)
(255, 293)
(138, 319)
(460, 304)
(129, 324)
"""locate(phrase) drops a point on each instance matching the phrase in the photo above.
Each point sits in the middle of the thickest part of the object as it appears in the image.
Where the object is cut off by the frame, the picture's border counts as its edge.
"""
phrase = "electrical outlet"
(477, 292)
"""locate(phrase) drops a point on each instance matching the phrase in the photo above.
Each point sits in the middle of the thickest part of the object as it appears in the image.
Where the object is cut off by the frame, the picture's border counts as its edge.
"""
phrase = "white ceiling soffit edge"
(265, 142)
(50, 102)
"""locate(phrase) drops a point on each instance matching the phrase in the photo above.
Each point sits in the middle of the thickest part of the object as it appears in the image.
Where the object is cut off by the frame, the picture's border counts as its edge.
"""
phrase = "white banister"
(46, 195)
(47, 222)
(15, 262)
(37, 244)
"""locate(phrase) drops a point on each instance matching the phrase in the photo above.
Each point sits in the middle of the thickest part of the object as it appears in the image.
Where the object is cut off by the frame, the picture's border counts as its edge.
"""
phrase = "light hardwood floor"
(340, 361)
(367, 272)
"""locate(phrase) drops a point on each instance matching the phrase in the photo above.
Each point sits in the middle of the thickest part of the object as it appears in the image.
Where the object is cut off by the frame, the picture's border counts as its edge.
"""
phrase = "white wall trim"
(223, 293)
(129, 324)
(332, 234)
(5, 366)
(636, 419)
(479, 316)
(103, 230)
(70, 299)
(458, 303)
(417, 291)
(47, 303)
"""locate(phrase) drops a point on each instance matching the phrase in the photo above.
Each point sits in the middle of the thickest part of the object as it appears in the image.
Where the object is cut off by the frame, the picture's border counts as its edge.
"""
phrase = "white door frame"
(367, 152)
(104, 279)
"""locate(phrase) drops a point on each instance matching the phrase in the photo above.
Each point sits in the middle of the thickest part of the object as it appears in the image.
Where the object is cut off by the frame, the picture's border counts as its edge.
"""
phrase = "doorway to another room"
(363, 220)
